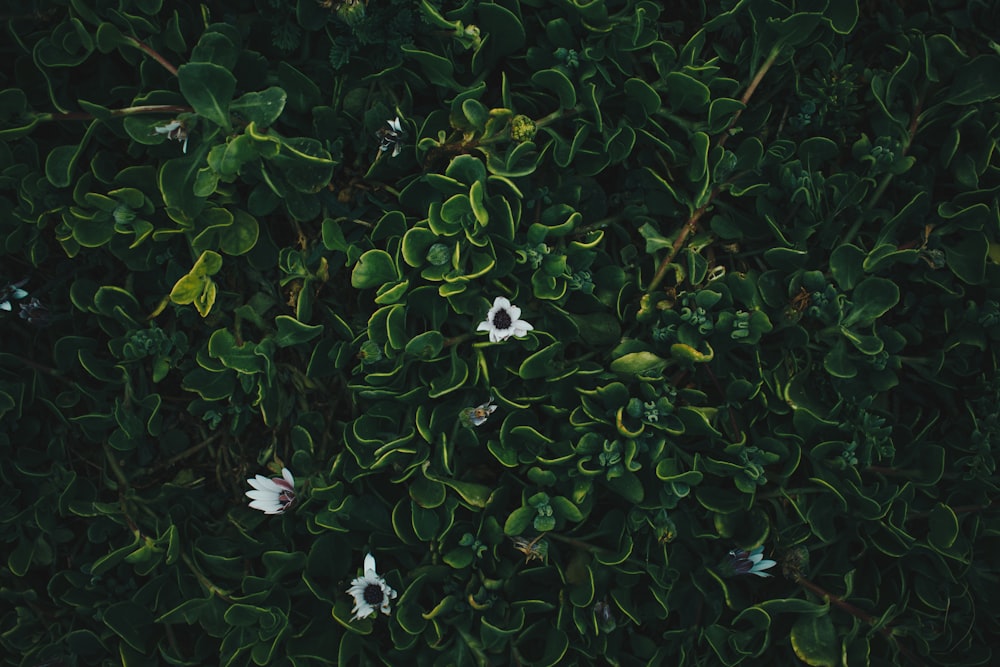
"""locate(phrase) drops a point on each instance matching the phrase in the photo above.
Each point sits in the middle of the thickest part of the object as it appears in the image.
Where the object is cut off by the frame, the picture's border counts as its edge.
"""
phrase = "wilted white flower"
(391, 138)
(502, 321)
(12, 292)
(749, 562)
(478, 415)
(370, 592)
(174, 130)
(272, 496)
(34, 311)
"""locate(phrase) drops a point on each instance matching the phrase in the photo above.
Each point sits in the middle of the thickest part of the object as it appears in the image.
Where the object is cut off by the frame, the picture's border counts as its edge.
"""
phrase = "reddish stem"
(153, 54)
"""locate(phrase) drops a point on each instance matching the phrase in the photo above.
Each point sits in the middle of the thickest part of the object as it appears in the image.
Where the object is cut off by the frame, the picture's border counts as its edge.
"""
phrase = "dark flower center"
(373, 594)
(501, 319)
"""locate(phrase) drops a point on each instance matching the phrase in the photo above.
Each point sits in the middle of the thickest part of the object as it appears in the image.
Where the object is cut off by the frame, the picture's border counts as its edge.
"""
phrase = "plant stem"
(748, 93)
(115, 468)
(455, 340)
(689, 226)
(152, 54)
(556, 115)
(205, 581)
(172, 109)
(860, 614)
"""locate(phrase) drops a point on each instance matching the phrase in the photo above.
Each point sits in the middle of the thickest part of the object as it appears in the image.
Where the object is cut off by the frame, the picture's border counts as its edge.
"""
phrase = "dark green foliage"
(752, 247)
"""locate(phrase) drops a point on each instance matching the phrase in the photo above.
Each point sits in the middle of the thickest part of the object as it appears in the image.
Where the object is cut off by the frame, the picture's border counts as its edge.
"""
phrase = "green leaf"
(976, 81)
(556, 82)
(437, 69)
(967, 257)
(846, 265)
(130, 621)
(640, 92)
(292, 332)
(843, 15)
(209, 89)
(685, 93)
(374, 269)
(262, 108)
(943, 527)
(639, 363)
(872, 298)
(814, 640)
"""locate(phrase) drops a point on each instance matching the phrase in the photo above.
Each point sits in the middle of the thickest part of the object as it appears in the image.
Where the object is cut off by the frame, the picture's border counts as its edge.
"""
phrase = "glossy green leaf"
(209, 89)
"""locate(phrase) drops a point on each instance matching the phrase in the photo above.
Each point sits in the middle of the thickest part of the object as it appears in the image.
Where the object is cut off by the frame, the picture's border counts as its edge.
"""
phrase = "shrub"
(572, 315)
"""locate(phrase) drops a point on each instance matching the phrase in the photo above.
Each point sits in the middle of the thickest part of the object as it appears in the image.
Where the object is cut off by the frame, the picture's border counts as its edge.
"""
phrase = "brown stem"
(885, 630)
(689, 226)
(172, 109)
(152, 54)
(748, 93)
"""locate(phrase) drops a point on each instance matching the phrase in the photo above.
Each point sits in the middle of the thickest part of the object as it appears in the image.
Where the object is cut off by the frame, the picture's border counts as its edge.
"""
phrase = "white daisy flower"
(502, 321)
(272, 496)
(174, 130)
(370, 592)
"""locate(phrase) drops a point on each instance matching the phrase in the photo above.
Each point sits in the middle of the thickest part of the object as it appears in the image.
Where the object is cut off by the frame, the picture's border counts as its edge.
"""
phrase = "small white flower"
(478, 415)
(174, 130)
(391, 138)
(370, 592)
(749, 562)
(272, 496)
(502, 321)
(12, 292)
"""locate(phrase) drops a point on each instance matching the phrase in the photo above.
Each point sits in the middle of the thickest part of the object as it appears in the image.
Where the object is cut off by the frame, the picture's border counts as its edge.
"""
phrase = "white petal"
(268, 507)
(483, 326)
(496, 335)
(168, 128)
(514, 312)
(287, 474)
(6, 306)
(500, 302)
(258, 494)
(370, 566)
(521, 328)
(264, 484)
(760, 574)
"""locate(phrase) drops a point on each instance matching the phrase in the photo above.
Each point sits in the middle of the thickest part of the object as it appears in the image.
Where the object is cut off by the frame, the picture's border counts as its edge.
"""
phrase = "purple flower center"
(373, 594)
(501, 319)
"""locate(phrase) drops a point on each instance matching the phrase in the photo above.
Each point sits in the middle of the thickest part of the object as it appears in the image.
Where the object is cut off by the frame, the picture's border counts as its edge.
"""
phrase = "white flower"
(174, 130)
(272, 496)
(391, 138)
(370, 592)
(749, 562)
(478, 415)
(12, 292)
(502, 321)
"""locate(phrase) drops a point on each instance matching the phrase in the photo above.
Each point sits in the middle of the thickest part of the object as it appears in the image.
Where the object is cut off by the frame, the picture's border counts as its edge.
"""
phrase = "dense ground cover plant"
(539, 327)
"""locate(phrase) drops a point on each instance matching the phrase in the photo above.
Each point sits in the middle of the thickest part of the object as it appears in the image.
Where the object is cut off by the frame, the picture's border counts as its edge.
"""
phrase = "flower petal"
(370, 566)
(483, 326)
(266, 506)
(501, 302)
(264, 484)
